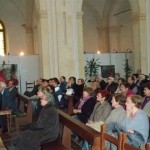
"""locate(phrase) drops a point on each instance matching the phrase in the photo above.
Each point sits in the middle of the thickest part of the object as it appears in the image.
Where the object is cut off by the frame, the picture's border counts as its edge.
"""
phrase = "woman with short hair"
(85, 106)
(102, 108)
(118, 113)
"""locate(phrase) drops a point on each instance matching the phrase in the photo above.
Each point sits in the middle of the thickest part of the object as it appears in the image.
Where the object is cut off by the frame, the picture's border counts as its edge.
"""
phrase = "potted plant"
(127, 69)
(91, 68)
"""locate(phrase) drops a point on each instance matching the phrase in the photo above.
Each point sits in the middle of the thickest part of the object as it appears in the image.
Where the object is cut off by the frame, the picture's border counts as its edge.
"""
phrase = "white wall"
(117, 59)
(28, 68)
(13, 17)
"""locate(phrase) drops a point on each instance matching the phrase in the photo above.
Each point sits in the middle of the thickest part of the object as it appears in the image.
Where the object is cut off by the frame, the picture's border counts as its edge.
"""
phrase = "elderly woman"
(135, 124)
(45, 129)
(102, 109)
(85, 106)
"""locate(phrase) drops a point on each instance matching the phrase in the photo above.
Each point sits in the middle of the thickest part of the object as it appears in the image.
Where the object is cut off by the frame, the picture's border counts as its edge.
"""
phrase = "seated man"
(6, 102)
(45, 129)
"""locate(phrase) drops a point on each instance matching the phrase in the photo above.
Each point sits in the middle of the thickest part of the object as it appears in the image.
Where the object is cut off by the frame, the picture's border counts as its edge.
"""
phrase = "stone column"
(43, 40)
(148, 34)
(136, 43)
(105, 39)
(80, 44)
(114, 38)
(29, 39)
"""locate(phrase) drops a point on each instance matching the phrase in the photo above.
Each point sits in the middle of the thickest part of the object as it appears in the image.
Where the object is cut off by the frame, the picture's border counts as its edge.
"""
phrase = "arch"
(2, 39)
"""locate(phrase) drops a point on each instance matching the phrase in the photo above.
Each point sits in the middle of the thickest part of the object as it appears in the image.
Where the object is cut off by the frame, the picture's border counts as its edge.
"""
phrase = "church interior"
(83, 65)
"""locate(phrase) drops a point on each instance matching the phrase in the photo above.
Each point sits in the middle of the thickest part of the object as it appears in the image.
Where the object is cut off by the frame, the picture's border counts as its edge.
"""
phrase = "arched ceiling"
(23, 8)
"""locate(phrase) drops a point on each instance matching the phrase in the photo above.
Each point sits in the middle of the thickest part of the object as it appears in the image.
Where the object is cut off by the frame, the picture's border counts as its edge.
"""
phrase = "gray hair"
(50, 98)
(46, 92)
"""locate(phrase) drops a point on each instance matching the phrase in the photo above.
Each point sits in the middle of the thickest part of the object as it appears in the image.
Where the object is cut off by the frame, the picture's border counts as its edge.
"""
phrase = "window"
(2, 39)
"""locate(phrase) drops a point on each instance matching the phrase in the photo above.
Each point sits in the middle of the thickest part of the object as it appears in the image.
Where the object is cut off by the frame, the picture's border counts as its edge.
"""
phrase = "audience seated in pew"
(124, 87)
(146, 102)
(86, 105)
(58, 93)
(135, 124)
(102, 108)
(6, 102)
(45, 129)
(13, 92)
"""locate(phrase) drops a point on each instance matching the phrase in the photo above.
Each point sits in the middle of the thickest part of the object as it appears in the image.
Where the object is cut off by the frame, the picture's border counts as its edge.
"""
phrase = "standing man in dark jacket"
(46, 129)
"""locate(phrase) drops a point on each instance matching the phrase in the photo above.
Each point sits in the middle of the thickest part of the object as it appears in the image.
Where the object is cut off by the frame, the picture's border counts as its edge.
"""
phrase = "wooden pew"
(68, 124)
(126, 146)
(69, 99)
(25, 107)
(2, 146)
(110, 138)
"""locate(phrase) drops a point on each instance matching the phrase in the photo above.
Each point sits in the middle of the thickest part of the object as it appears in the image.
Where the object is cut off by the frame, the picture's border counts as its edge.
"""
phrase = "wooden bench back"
(126, 146)
(25, 107)
(80, 129)
(110, 138)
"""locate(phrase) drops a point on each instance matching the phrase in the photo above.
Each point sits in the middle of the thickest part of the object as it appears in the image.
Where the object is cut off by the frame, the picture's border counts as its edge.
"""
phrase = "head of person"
(121, 80)
(135, 76)
(141, 77)
(55, 82)
(2, 86)
(110, 80)
(130, 80)
(80, 81)
(44, 82)
(117, 76)
(39, 81)
(50, 82)
(95, 85)
(102, 96)
(124, 87)
(10, 83)
(62, 79)
(72, 80)
(147, 89)
(88, 91)
(99, 78)
(118, 99)
(132, 102)
(45, 96)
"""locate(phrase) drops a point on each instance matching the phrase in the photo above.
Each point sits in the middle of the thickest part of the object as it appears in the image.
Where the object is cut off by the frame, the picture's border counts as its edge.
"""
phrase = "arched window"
(2, 39)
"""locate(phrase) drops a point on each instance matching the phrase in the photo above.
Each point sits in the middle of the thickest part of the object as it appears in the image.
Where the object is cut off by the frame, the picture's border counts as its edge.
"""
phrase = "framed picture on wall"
(9, 72)
(108, 70)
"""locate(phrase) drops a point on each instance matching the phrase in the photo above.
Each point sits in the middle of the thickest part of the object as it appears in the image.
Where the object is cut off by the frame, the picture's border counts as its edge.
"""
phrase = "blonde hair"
(136, 99)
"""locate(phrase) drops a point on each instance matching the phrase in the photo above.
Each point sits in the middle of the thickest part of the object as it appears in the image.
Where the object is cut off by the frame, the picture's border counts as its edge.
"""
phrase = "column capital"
(79, 14)
(137, 17)
(29, 29)
(42, 14)
(114, 28)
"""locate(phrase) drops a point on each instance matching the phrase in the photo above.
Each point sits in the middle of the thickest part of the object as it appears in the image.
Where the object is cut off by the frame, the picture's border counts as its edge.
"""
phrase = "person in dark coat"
(85, 106)
(45, 129)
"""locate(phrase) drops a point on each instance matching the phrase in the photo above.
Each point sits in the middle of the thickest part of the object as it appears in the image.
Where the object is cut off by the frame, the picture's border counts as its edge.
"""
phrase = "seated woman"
(135, 124)
(118, 113)
(85, 106)
(45, 129)
(124, 87)
(102, 109)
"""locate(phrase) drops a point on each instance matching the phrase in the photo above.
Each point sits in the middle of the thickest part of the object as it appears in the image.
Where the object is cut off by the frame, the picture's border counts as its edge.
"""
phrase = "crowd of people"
(122, 104)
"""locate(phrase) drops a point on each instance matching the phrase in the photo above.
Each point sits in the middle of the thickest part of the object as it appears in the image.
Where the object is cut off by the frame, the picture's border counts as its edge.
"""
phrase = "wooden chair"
(30, 85)
(126, 146)
(110, 138)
